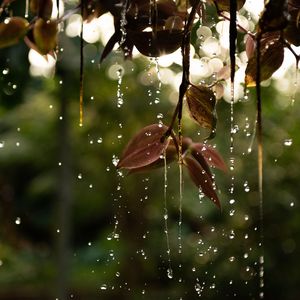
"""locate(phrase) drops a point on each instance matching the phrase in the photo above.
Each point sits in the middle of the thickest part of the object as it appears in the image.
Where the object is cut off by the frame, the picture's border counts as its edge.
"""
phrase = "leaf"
(271, 58)
(250, 46)
(224, 5)
(171, 156)
(201, 102)
(42, 8)
(45, 35)
(292, 31)
(201, 179)
(212, 157)
(275, 16)
(156, 44)
(145, 147)
(12, 30)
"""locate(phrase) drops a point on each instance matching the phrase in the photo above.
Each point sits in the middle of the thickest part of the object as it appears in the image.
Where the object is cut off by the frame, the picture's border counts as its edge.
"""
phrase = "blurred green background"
(74, 227)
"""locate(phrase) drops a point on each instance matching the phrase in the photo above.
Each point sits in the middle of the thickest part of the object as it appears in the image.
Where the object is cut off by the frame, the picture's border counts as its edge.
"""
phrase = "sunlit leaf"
(45, 35)
(145, 147)
(12, 30)
(157, 44)
(41, 8)
(224, 5)
(271, 58)
(201, 102)
(275, 16)
(212, 157)
(201, 179)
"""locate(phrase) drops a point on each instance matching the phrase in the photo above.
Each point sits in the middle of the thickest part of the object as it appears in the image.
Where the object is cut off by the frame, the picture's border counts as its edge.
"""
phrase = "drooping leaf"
(292, 31)
(41, 8)
(201, 102)
(45, 35)
(212, 157)
(12, 30)
(157, 44)
(275, 16)
(224, 5)
(145, 147)
(271, 58)
(201, 179)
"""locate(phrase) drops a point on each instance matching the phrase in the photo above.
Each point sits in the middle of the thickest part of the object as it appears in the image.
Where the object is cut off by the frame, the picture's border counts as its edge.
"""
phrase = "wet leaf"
(45, 35)
(145, 147)
(212, 157)
(201, 102)
(271, 58)
(41, 8)
(224, 5)
(201, 179)
(275, 16)
(157, 44)
(171, 156)
(12, 30)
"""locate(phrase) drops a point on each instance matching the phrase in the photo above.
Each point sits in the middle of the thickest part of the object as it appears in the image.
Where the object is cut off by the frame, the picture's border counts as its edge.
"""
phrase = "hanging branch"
(232, 39)
(185, 50)
(81, 68)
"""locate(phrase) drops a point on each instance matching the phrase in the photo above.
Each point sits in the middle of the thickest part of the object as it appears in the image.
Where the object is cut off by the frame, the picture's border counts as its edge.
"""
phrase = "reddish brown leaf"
(171, 156)
(12, 30)
(271, 58)
(292, 31)
(212, 157)
(156, 44)
(224, 5)
(201, 179)
(145, 147)
(250, 46)
(45, 35)
(201, 102)
(41, 8)
(275, 16)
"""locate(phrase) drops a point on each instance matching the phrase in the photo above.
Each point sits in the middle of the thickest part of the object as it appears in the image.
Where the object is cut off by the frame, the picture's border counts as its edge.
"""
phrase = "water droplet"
(292, 204)
(103, 287)
(288, 142)
(118, 274)
(231, 258)
(231, 235)
(18, 221)
(99, 141)
(170, 273)
(2, 143)
(79, 176)
(231, 201)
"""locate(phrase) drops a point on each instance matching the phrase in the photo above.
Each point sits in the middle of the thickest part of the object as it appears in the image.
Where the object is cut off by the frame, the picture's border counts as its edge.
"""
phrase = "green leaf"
(271, 58)
(202, 106)
(12, 30)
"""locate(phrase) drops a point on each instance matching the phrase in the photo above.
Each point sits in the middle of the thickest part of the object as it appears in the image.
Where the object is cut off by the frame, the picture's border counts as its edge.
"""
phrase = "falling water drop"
(120, 100)
(18, 221)
(26, 9)
(170, 273)
(288, 142)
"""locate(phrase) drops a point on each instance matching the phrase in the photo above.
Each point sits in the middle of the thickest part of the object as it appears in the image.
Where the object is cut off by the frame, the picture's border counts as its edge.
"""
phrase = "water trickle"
(26, 9)
(123, 23)
(120, 99)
